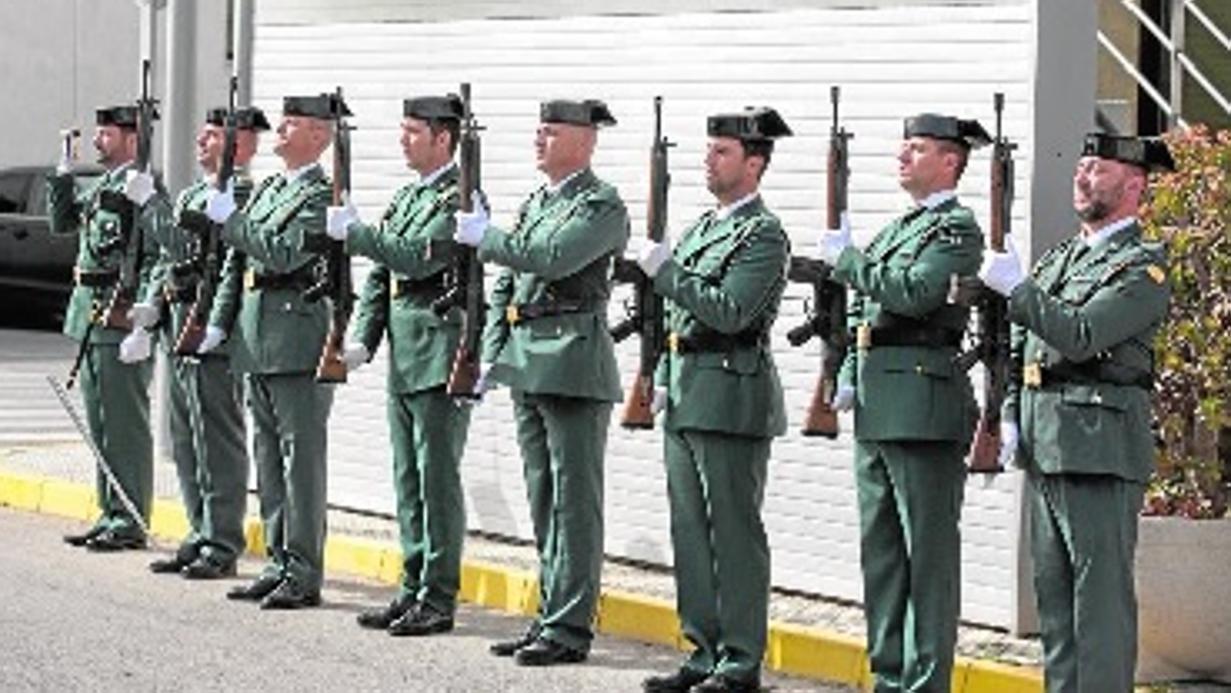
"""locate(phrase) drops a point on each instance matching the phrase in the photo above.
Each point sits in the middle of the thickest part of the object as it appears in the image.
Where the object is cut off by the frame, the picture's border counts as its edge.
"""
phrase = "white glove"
(1002, 272)
(135, 347)
(339, 219)
(843, 399)
(659, 401)
(1009, 437)
(220, 204)
(472, 226)
(355, 355)
(139, 187)
(834, 241)
(143, 315)
(652, 257)
(213, 337)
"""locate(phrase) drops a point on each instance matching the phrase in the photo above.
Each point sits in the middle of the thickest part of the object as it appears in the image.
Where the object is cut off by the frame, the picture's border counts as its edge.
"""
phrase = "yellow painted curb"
(791, 649)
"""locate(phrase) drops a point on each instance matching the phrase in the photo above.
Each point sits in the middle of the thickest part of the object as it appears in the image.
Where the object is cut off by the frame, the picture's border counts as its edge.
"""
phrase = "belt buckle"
(1032, 375)
(249, 279)
(511, 314)
(76, 275)
(395, 291)
(863, 336)
(673, 342)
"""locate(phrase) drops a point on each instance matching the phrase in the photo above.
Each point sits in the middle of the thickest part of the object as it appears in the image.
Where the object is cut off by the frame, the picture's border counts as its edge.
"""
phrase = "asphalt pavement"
(78, 621)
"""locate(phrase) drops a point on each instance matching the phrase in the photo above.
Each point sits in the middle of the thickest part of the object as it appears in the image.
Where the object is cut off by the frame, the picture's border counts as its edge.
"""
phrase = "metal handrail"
(1179, 56)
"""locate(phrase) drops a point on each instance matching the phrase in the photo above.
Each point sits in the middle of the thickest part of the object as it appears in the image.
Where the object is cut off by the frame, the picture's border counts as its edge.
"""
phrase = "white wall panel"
(890, 60)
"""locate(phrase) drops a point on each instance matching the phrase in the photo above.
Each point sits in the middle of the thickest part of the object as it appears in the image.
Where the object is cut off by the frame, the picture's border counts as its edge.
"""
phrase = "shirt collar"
(553, 189)
(722, 213)
(937, 199)
(1099, 237)
(435, 175)
(294, 175)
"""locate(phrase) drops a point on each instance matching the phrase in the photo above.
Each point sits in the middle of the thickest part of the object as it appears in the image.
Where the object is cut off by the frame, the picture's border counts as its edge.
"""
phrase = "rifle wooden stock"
(468, 271)
(822, 419)
(190, 336)
(115, 315)
(638, 404)
(993, 323)
(331, 368)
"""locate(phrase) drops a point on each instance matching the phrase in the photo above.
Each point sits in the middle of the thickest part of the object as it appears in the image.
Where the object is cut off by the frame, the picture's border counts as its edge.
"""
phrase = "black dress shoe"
(725, 684)
(508, 648)
(206, 568)
(291, 595)
(679, 682)
(255, 590)
(379, 619)
(421, 620)
(544, 652)
(82, 538)
(110, 541)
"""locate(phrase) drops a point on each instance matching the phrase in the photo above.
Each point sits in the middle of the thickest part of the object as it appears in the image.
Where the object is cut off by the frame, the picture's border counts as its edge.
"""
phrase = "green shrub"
(1189, 210)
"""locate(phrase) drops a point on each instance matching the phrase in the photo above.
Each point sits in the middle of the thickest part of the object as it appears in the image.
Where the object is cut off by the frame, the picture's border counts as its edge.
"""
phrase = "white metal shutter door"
(890, 62)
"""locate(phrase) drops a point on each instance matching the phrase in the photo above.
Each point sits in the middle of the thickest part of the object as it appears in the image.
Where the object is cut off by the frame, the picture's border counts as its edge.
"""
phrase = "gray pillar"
(181, 90)
(244, 18)
(1063, 100)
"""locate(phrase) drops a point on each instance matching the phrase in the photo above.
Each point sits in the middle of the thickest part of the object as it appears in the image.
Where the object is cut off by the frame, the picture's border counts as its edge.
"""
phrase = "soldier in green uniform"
(115, 391)
(1078, 419)
(723, 404)
(914, 408)
(547, 339)
(276, 341)
(427, 428)
(206, 419)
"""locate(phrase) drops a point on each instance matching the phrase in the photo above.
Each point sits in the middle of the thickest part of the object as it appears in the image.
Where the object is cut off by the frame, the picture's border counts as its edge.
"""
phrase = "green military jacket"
(70, 211)
(901, 283)
(723, 284)
(559, 252)
(174, 279)
(398, 294)
(274, 330)
(1084, 326)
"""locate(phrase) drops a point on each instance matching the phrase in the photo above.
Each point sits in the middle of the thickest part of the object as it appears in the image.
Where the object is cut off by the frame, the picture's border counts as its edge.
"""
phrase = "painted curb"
(791, 649)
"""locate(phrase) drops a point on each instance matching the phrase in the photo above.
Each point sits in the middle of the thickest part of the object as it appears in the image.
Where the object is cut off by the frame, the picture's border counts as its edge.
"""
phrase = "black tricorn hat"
(433, 107)
(324, 106)
(968, 133)
(247, 118)
(119, 116)
(754, 124)
(590, 112)
(1150, 153)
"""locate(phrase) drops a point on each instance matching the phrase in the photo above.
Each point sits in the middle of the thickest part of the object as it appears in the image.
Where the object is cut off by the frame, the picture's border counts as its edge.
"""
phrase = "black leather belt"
(713, 342)
(298, 280)
(428, 287)
(1036, 375)
(516, 313)
(95, 278)
(933, 337)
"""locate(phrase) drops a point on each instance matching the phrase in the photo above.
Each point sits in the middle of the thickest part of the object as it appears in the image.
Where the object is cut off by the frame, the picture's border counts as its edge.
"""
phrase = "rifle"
(646, 315)
(827, 315)
(992, 327)
(331, 368)
(206, 234)
(131, 237)
(467, 270)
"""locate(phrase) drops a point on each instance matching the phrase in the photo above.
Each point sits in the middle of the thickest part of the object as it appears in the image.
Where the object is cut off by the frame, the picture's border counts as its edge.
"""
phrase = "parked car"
(36, 267)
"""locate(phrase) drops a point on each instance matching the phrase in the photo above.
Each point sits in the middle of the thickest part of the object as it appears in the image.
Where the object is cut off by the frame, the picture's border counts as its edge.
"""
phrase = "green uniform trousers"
(428, 433)
(117, 409)
(563, 440)
(910, 501)
(290, 412)
(716, 483)
(207, 444)
(1083, 536)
